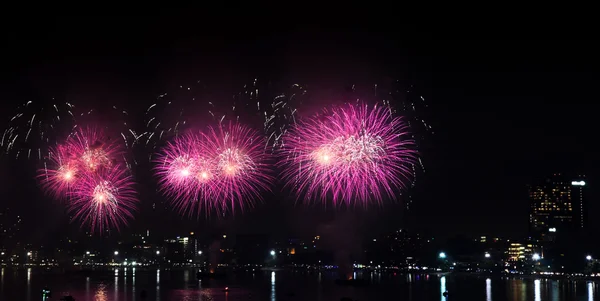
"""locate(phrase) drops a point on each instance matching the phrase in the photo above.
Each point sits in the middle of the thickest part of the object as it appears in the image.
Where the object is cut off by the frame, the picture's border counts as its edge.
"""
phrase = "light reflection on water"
(273, 296)
(121, 284)
(100, 294)
(443, 287)
(488, 289)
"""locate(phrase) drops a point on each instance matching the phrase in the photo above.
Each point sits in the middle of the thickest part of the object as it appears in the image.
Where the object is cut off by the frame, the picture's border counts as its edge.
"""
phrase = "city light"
(536, 256)
(552, 230)
(87, 252)
(578, 183)
(589, 257)
(487, 255)
(116, 253)
(29, 254)
(199, 252)
(272, 252)
(157, 252)
(442, 255)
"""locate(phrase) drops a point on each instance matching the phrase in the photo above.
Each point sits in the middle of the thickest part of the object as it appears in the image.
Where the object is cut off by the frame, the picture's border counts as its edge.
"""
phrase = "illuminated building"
(520, 252)
(557, 205)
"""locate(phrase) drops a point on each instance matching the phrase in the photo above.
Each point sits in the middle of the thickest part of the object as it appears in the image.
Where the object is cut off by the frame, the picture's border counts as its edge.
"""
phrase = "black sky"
(505, 112)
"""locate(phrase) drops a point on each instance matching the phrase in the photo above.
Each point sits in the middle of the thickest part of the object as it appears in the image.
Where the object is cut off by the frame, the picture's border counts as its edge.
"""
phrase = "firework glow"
(85, 172)
(104, 200)
(352, 154)
(349, 154)
(218, 169)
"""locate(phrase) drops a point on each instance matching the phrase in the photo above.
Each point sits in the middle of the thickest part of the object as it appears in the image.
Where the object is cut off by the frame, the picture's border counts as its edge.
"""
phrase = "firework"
(103, 200)
(35, 127)
(258, 103)
(274, 106)
(84, 153)
(186, 174)
(59, 179)
(350, 154)
(92, 150)
(240, 162)
(219, 169)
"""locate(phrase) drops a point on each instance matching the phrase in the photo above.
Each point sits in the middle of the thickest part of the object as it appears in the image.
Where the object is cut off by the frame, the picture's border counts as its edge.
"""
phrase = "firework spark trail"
(104, 200)
(278, 114)
(219, 169)
(257, 103)
(352, 154)
(35, 125)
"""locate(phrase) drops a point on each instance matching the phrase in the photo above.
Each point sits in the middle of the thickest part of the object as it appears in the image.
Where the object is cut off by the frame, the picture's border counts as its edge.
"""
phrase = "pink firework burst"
(104, 200)
(84, 153)
(186, 174)
(59, 179)
(240, 164)
(218, 169)
(93, 150)
(350, 154)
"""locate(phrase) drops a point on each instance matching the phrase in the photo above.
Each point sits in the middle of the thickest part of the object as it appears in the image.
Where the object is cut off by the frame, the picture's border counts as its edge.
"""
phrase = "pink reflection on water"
(101, 293)
(212, 294)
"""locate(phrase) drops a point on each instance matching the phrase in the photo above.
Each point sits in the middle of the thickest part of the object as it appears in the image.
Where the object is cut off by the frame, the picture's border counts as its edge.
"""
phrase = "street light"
(272, 252)
(199, 252)
(87, 253)
(589, 257)
(487, 255)
(535, 256)
(157, 252)
(442, 255)
(116, 253)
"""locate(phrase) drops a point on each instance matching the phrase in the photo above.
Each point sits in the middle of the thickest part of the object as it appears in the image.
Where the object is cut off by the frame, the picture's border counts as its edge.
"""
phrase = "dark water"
(170, 285)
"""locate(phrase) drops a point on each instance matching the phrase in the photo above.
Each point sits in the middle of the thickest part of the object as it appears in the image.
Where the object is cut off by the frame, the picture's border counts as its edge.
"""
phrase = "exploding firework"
(350, 154)
(219, 169)
(84, 153)
(186, 174)
(103, 200)
(92, 150)
(59, 179)
(240, 163)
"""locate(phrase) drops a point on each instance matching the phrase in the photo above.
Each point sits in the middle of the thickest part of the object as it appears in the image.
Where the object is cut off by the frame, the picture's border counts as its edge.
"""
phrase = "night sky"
(505, 113)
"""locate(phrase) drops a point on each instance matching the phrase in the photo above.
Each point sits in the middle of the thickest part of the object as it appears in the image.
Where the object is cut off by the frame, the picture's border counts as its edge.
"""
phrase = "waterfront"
(128, 284)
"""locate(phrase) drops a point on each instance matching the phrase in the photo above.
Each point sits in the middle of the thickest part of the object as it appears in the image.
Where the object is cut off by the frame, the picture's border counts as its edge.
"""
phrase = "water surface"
(175, 285)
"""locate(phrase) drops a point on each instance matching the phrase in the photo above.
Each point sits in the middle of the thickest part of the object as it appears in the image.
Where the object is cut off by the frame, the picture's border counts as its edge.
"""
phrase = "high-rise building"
(557, 205)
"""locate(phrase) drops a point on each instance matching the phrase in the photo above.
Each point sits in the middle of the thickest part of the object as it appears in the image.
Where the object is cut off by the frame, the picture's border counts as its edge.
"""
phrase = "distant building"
(398, 247)
(179, 249)
(520, 252)
(557, 205)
